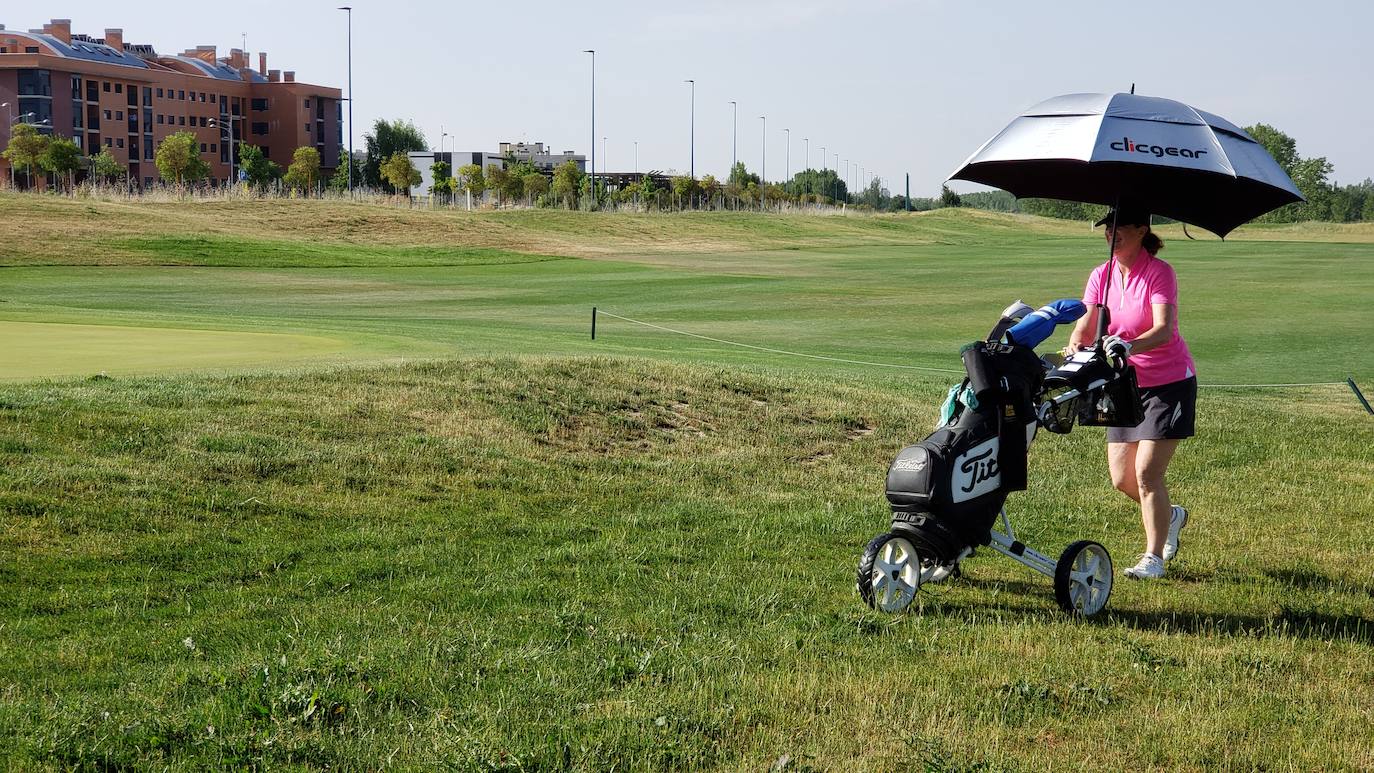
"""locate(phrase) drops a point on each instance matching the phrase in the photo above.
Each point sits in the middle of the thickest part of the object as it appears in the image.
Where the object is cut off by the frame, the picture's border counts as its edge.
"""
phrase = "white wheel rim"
(1090, 580)
(896, 575)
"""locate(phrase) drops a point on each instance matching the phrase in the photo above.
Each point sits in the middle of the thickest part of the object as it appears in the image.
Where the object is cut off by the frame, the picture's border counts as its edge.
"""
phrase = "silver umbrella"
(1159, 154)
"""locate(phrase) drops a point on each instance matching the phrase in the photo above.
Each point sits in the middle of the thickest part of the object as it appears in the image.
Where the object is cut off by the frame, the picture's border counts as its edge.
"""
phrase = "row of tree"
(178, 160)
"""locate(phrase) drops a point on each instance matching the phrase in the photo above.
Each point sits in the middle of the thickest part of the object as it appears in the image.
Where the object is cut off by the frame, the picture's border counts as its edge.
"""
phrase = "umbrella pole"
(1104, 315)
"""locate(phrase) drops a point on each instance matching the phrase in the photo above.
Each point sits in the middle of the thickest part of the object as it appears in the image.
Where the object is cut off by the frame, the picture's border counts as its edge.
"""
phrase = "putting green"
(39, 349)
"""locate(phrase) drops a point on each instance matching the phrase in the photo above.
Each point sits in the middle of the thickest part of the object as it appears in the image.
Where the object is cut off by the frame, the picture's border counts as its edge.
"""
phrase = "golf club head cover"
(1039, 324)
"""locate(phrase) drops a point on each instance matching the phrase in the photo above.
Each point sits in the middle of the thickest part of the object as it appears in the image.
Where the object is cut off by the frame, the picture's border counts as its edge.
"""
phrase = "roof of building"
(219, 71)
(89, 51)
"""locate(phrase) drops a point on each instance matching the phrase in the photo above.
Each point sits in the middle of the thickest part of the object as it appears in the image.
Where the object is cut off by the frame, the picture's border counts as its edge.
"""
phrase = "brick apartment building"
(126, 97)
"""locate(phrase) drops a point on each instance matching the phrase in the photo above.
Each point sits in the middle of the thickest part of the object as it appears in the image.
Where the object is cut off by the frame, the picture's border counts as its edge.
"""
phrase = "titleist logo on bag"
(975, 472)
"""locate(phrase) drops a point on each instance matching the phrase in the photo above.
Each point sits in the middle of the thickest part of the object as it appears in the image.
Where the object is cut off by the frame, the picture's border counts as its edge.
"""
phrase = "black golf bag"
(947, 490)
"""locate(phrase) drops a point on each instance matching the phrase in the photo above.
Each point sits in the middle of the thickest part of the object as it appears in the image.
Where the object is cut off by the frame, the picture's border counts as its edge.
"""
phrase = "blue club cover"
(1040, 324)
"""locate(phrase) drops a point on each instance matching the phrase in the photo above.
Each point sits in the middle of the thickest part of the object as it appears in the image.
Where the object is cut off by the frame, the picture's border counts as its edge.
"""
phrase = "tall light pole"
(692, 163)
(734, 134)
(349, 9)
(787, 166)
(822, 158)
(603, 151)
(763, 167)
(807, 140)
(636, 156)
(592, 51)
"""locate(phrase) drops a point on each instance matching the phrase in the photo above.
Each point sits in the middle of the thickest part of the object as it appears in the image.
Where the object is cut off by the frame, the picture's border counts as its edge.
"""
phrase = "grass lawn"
(379, 502)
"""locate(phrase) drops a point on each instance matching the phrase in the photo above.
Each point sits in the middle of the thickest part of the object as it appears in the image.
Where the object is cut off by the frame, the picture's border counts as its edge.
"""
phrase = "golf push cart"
(947, 492)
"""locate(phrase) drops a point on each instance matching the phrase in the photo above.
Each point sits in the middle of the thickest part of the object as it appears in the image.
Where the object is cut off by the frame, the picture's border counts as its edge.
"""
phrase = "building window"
(76, 87)
(202, 147)
(159, 119)
(105, 87)
(202, 96)
(109, 142)
(119, 143)
(147, 182)
(119, 115)
(119, 88)
(133, 151)
(147, 96)
(307, 128)
(181, 95)
(181, 120)
(307, 104)
(92, 91)
(260, 128)
(35, 83)
(214, 148)
(30, 49)
(159, 93)
(147, 147)
(259, 105)
(203, 123)
(107, 115)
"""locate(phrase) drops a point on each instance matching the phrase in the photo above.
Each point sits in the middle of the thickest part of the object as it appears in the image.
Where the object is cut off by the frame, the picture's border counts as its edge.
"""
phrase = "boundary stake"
(1358, 395)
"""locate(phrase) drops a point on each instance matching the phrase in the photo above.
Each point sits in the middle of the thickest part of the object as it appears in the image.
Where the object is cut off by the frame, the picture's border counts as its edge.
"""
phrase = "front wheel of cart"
(889, 573)
(1083, 578)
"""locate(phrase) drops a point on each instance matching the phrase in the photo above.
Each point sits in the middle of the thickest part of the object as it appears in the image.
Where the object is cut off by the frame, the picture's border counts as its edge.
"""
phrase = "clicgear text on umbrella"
(1126, 146)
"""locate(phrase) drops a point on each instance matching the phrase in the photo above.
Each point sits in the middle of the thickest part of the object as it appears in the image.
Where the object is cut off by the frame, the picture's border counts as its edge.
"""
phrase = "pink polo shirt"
(1150, 281)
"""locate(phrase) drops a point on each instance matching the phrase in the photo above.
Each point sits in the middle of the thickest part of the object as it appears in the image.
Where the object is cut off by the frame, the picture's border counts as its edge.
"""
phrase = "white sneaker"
(1178, 518)
(1151, 567)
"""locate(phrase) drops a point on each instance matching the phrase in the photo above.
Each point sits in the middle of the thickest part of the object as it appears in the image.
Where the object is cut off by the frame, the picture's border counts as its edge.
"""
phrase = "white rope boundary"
(771, 350)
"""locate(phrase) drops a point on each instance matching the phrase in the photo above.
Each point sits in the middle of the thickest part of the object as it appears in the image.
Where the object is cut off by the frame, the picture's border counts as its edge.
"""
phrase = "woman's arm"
(1083, 331)
(1162, 330)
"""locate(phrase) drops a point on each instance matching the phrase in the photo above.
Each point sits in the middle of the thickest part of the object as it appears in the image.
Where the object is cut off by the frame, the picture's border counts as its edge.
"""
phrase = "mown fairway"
(532, 551)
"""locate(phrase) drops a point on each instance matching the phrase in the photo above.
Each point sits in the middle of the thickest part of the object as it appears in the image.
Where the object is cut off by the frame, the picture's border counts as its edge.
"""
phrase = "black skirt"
(1169, 413)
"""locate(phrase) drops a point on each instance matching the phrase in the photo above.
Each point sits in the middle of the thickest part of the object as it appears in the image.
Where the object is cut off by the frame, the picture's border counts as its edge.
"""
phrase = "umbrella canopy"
(1172, 159)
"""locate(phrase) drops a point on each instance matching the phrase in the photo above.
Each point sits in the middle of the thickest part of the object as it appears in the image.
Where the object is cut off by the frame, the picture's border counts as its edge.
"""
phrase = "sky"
(898, 87)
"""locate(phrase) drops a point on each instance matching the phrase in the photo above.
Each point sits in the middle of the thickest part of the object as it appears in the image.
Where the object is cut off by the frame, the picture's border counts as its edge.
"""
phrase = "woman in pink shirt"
(1143, 300)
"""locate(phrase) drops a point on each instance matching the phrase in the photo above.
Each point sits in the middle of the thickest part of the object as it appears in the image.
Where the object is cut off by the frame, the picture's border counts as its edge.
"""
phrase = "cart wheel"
(889, 573)
(1083, 578)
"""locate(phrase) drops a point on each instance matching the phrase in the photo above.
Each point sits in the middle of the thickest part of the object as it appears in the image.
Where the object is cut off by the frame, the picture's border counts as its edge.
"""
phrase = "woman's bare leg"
(1151, 462)
(1121, 461)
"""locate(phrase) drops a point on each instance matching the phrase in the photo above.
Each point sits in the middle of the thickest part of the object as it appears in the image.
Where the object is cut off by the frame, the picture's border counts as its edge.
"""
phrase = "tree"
(949, 198)
(439, 170)
(710, 188)
(567, 182)
(339, 182)
(258, 171)
(386, 139)
(824, 182)
(26, 148)
(304, 169)
(470, 179)
(497, 180)
(178, 159)
(62, 157)
(1308, 174)
(684, 189)
(740, 177)
(400, 174)
(536, 185)
(105, 167)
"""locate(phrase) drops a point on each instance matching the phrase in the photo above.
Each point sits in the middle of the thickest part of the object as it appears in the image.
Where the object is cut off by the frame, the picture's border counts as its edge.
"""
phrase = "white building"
(534, 153)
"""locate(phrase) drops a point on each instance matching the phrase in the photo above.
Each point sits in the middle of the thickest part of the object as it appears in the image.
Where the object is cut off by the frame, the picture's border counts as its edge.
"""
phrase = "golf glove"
(1116, 346)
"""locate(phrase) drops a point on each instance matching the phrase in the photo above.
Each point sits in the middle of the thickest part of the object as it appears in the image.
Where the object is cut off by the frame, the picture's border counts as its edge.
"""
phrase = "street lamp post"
(636, 156)
(787, 165)
(734, 134)
(603, 151)
(349, 9)
(592, 51)
(692, 162)
(763, 167)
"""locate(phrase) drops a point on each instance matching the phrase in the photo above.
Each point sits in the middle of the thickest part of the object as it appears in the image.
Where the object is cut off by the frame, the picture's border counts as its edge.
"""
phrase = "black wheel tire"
(1063, 582)
(864, 579)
